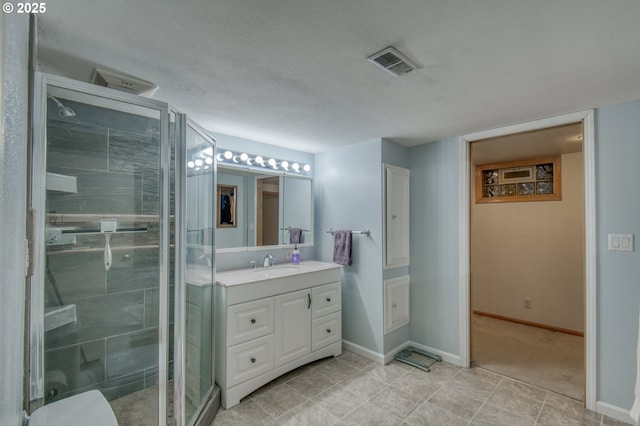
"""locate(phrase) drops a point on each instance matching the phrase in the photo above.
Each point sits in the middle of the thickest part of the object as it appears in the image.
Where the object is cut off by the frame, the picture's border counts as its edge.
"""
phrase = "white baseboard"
(362, 351)
(388, 357)
(614, 412)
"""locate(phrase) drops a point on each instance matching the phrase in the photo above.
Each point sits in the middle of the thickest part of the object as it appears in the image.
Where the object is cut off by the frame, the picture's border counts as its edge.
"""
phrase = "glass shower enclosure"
(121, 293)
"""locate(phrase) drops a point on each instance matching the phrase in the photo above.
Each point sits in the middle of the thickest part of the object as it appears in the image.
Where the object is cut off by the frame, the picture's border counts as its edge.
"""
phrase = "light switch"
(620, 242)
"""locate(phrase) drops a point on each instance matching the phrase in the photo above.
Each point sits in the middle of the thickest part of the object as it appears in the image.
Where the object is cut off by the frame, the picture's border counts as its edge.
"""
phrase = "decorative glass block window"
(524, 180)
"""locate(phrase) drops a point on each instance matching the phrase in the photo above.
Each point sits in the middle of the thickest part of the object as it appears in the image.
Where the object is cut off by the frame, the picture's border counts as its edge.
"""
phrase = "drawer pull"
(328, 330)
(328, 299)
(253, 360)
(253, 320)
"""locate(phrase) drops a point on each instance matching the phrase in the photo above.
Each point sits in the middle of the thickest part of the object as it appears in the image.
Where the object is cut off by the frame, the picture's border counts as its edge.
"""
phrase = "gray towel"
(295, 235)
(342, 247)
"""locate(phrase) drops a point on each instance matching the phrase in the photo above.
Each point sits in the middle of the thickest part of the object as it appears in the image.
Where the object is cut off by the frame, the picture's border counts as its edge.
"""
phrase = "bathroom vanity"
(272, 320)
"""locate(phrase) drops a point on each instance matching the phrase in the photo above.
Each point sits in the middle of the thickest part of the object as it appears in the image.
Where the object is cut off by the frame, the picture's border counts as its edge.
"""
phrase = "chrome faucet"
(267, 261)
(207, 258)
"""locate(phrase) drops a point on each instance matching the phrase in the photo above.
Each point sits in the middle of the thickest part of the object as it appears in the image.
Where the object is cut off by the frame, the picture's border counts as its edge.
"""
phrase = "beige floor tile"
(338, 400)
(387, 373)
(523, 388)
(311, 383)
(246, 413)
(429, 414)
(515, 402)
(421, 386)
(336, 370)
(474, 382)
(396, 402)
(354, 359)
(365, 385)
(608, 421)
(490, 415)
(372, 415)
(279, 400)
(463, 404)
(554, 416)
(306, 414)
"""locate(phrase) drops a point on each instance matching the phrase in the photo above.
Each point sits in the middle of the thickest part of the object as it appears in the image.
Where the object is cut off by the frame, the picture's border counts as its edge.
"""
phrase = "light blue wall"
(618, 211)
(395, 155)
(348, 195)
(434, 245)
(241, 259)
(14, 69)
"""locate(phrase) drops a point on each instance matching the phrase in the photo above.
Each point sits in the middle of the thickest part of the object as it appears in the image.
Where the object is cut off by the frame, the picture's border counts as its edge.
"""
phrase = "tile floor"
(352, 390)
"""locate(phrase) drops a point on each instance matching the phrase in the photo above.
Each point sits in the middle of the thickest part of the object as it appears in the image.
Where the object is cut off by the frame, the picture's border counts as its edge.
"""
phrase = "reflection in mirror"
(266, 206)
(227, 206)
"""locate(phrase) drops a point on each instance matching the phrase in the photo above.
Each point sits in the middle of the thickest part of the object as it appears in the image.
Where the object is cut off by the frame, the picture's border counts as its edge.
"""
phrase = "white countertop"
(245, 276)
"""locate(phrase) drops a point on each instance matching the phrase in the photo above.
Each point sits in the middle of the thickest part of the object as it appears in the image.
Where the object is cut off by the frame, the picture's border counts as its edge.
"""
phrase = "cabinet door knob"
(253, 320)
(328, 299)
(329, 330)
(253, 360)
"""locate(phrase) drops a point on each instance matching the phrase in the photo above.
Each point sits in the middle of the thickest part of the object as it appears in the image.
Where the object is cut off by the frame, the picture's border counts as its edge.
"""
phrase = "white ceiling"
(294, 72)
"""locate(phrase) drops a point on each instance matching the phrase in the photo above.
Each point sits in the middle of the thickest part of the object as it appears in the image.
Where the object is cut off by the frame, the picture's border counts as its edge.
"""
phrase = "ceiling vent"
(392, 61)
(123, 82)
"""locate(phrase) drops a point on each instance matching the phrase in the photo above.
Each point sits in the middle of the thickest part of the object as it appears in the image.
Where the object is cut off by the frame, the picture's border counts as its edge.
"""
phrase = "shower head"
(65, 111)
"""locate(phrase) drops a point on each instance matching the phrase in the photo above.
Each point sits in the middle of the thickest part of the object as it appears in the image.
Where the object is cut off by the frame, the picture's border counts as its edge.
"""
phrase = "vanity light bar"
(243, 158)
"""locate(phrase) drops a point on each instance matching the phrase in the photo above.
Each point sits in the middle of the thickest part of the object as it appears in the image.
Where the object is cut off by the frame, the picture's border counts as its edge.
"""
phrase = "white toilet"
(89, 407)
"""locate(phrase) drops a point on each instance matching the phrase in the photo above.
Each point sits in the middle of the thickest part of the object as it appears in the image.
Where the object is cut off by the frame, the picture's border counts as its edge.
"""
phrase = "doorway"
(587, 118)
(527, 257)
(268, 212)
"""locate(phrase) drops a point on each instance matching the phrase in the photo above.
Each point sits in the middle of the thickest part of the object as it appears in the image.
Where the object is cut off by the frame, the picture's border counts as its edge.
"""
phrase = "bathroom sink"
(198, 275)
(277, 269)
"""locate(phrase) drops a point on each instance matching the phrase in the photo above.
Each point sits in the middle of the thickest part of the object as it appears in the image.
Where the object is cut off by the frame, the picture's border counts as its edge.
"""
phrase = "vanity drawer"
(326, 330)
(326, 299)
(247, 321)
(249, 360)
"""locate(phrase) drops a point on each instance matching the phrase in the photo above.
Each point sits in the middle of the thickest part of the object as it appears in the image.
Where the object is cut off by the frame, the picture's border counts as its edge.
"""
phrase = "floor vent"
(123, 82)
(392, 61)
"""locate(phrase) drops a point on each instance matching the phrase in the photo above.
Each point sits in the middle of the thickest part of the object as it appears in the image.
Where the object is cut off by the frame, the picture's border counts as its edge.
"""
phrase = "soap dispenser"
(295, 255)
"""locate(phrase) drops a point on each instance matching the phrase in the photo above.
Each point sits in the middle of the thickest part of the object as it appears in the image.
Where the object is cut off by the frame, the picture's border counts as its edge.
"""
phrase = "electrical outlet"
(527, 303)
(288, 254)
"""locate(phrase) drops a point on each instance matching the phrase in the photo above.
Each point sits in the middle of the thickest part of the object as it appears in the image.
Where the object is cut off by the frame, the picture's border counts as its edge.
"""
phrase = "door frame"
(587, 118)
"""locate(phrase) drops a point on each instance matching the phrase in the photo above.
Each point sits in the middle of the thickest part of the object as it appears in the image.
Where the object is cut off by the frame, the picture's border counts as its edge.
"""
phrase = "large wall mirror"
(267, 205)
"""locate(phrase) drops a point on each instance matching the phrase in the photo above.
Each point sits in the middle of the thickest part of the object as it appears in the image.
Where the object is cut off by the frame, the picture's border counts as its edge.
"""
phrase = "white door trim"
(587, 117)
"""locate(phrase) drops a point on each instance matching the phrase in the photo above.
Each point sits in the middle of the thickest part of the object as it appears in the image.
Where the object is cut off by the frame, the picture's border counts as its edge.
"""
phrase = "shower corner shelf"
(417, 358)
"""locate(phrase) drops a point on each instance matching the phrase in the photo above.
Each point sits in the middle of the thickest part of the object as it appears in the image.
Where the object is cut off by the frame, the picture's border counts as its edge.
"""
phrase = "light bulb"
(191, 164)
(208, 160)
(285, 165)
(306, 168)
(296, 167)
(244, 157)
(228, 155)
(272, 162)
(198, 162)
(260, 160)
(236, 159)
(220, 157)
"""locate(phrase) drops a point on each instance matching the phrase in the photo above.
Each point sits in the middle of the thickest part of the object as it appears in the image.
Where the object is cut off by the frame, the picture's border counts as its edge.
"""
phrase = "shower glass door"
(194, 300)
(100, 289)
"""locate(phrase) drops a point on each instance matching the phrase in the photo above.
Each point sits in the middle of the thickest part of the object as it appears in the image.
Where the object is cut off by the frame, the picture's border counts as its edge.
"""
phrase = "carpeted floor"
(543, 358)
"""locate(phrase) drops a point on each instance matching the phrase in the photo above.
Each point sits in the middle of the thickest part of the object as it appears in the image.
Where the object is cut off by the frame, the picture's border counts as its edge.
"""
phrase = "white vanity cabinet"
(273, 320)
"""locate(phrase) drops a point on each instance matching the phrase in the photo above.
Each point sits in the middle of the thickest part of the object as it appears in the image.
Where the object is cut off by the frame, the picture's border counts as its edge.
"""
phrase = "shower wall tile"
(75, 145)
(132, 352)
(99, 317)
(151, 307)
(140, 154)
(106, 117)
(134, 269)
(76, 275)
(98, 193)
(75, 367)
(133, 152)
